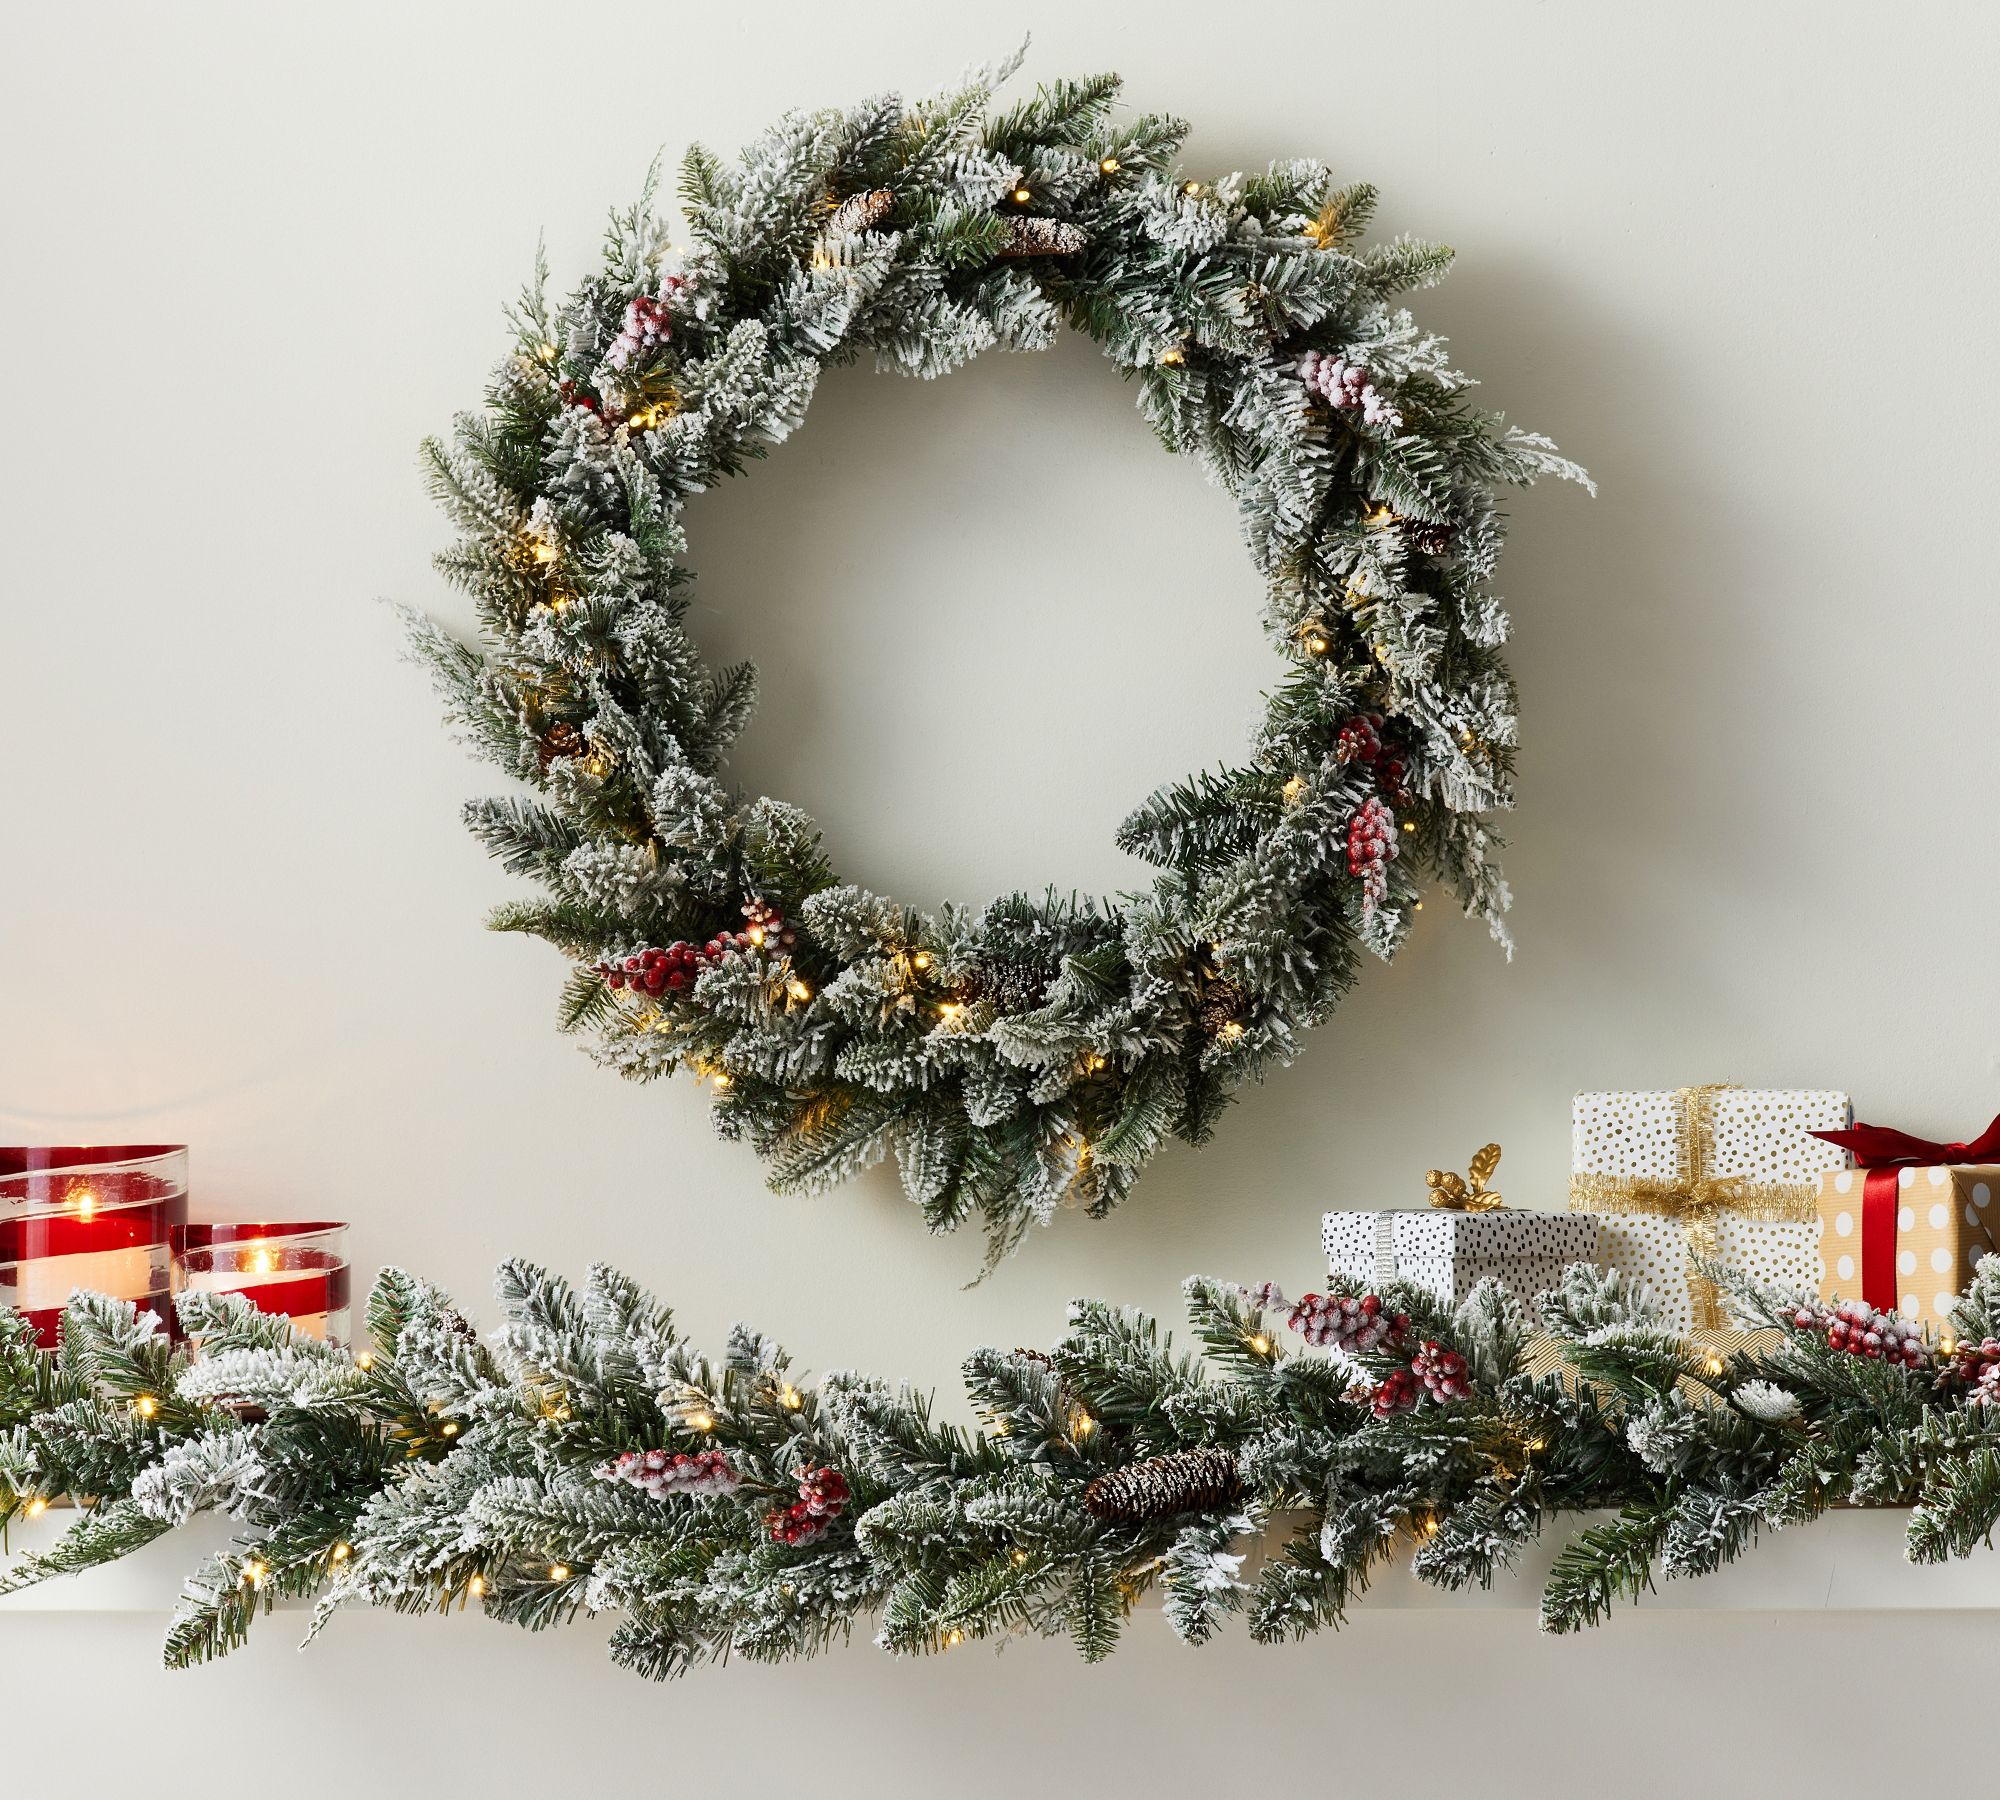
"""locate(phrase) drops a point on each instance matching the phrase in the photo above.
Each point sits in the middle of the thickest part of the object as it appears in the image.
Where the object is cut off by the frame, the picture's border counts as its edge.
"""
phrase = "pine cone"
(860, 212)
(1223, 1003)
(1183, 1481)
(1013, 987)
(1042, 237)
(1421, 534)
(562, 739)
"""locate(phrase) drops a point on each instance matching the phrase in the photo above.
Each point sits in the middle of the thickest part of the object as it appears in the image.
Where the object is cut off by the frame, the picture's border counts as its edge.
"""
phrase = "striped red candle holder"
(298, 1269)
(96, 1217)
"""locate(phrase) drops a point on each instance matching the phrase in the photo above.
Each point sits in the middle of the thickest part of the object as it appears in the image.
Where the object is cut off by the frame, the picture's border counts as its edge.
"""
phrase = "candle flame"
(86, 1202)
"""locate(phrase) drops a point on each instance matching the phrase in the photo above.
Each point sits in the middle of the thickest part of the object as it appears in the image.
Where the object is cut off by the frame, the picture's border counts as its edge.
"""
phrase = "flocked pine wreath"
(1033, 1052)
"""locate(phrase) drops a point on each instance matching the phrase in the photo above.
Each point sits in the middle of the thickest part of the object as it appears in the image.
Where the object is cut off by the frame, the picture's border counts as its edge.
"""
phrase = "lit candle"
(299, 1269)
(98, 1218)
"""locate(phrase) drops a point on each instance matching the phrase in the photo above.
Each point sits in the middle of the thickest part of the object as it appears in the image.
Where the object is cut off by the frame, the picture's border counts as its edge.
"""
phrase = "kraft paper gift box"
(1448, 1252)
(1903, 1231)
(1727, 1174)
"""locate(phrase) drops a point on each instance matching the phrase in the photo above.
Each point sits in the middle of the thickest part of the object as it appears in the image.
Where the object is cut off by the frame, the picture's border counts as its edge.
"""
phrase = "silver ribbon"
(1385, 1247)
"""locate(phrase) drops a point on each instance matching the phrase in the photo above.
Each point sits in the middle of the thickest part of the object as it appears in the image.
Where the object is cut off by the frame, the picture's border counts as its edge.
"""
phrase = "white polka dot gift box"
(1727, 1174)
(1903, 1231)
(1448, 1252)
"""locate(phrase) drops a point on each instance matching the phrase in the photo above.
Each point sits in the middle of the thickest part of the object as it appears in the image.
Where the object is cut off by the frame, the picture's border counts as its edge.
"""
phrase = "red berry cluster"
(823, 1497)
(664, 1472)
(676, 968)
(1371, 847)
(1978, 1365)
(1358, 1325)
(1857, 1328)
(1443, 1372)
(764, 925)
(655, 972)
(645, 327)
(1341, 1322)
(1399, 1392)
(1361, 740)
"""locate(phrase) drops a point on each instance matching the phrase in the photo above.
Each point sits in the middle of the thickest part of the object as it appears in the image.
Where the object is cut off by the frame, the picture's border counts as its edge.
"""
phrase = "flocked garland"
(583, 1458)
(1035, 1052)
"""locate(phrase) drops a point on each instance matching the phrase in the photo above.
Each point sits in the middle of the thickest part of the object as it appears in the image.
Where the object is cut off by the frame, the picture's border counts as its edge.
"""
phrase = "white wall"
(1737, 258)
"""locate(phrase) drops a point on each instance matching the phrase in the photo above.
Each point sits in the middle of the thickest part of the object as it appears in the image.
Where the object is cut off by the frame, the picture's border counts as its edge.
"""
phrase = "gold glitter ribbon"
(1694, 1197)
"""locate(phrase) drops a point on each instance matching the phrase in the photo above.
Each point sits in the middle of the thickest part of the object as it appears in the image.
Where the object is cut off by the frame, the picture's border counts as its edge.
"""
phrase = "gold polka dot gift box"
(1904, 1230)
(1714, 1173)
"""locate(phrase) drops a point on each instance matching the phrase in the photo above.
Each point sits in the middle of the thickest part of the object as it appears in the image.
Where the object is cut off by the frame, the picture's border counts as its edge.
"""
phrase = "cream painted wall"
(1739, 258)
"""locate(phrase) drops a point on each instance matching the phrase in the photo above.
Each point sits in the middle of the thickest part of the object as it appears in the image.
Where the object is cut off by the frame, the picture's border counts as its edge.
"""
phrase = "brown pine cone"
(1013, 987)
(561, 740)
(1182, 1481)
(1223, 1003)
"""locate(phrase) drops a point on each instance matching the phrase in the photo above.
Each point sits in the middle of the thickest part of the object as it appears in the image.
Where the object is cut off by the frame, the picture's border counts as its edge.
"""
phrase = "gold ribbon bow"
(1694, 1197)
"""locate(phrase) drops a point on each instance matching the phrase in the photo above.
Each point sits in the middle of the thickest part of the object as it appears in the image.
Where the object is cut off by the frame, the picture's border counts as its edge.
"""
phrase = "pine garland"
(583, 1458)
(1031, 1052)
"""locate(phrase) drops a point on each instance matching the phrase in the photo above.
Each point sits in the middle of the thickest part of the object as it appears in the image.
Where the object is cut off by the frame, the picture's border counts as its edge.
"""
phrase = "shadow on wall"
(991, 615)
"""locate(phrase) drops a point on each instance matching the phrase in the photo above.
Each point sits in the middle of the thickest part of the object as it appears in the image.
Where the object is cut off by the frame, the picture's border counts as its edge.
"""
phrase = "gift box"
(1903, 1231)
(1448, 1252)
(1546, 1355)
(1719, 1173)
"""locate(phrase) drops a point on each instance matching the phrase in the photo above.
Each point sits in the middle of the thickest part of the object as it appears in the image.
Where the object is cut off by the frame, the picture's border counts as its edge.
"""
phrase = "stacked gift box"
(1665, 1183)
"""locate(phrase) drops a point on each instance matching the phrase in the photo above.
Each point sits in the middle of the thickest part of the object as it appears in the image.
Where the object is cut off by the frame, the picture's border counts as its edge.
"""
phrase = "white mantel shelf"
(1846, 1562)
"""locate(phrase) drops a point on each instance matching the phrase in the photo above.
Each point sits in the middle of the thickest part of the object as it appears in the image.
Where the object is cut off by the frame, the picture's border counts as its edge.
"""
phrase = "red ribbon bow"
(1884, 1147)
(1882, 1150)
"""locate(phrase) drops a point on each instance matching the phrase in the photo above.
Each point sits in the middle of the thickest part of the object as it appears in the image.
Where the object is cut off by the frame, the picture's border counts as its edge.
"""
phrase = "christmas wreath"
(1034, 1052)
(583, 1458)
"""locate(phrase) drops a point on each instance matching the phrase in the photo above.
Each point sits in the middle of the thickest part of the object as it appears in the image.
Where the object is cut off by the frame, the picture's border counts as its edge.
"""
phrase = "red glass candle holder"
(89, 1217)
(298, 1269)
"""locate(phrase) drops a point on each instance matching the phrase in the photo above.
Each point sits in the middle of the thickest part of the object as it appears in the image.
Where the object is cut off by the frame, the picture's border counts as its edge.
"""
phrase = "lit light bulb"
(1294, 787)
(791, 1399)
(701, 1421)
(948, 1010)
(542, 550)
(798, 990)
(1408, 825)
(1085, 1425)
(1416, 906)
(547, 352)
(1108, 165)
(364, 1360)
(256, 1573)
(1173, 357)
(476, 1586)
(721, 1078)
(1261, 1344)
(145, 1406)
(341, 1552)
(1232, 1029)
(35, 1507)
(448, 1429)
(1190, 188)
(1317, 643)
(952, 1639)
(558, 1571)
(922, 960)
(1020, 1556)
(1095, 1063)
(1022, 196)
(1711, 1364)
